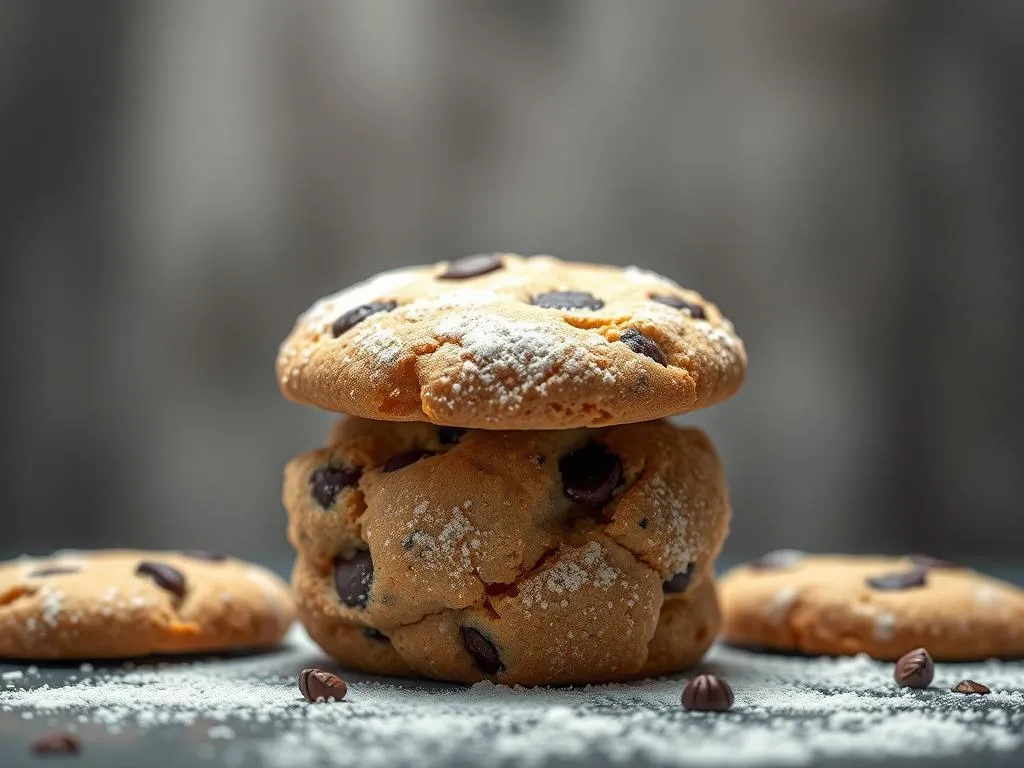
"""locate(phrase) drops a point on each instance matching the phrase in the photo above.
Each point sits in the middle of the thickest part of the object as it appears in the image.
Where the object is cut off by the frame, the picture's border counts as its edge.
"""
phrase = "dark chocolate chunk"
(590, 474)
(915, 669)
(889, 582)
(353, 579)
(567, 300)
(450, 435)
(353, 317)
(166, 576)
(472, 266)
(202, 554)
(53, 570)
(927, 561)
(696, 310)
(481, 649)
(327, 482)
(969, 686)
(375, 634)
(680, 581)
(57, 743)
(643, 523)
(404, 460)
(320, 685)
(642, 345)
(778, 559)
(707, 693)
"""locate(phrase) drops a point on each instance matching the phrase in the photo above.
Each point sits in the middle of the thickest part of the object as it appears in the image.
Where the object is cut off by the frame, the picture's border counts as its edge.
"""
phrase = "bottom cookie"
(124, 603)
(444, 646)
(883, 606)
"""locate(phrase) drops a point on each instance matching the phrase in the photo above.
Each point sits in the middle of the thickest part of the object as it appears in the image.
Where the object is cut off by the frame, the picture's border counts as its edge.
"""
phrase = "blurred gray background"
(846, 179)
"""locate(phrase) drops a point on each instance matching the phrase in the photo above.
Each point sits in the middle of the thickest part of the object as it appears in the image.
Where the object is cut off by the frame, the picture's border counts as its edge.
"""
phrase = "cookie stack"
(504, 499)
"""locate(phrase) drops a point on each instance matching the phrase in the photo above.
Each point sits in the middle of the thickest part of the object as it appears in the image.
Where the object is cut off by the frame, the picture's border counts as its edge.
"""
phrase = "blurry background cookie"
(124, 603)
(882, 606)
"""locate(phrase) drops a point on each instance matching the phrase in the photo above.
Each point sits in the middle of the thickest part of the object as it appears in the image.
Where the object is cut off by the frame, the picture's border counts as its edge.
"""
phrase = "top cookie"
(499, 341)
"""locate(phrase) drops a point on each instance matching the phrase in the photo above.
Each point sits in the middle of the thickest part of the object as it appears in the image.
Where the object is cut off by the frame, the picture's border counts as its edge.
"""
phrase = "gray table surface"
(650, 707)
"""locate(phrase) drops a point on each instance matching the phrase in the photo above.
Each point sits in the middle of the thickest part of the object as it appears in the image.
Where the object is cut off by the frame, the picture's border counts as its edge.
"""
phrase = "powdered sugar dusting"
(506, 360)
(788, 711)
(575, 569)
(319, 317)
(782, 601)
(885, 627)
(642, 276)
(451, 550)
(677, 547)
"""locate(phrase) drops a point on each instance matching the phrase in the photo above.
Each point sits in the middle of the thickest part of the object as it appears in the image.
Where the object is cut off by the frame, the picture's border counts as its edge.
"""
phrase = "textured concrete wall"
(179, 180)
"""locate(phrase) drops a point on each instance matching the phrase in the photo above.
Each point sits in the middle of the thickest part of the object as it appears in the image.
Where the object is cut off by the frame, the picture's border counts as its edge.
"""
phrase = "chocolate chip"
(707, 693)
(680, 581)
(375, 634)
(404, 460)
(353, 579)
(355, 316)
(472, 266)
(969, 686)
(567, 300)
(696, 310)
(320, 685)
(327, 482)
(889, 582)
(915, 669)
(642, 345)
(481, 649)
(643, 523)
(450, 435)
(590, 474)
(166, 576)
(927, 561)
(778, 559)
(202, 554)
(57, 743)
(54, 570)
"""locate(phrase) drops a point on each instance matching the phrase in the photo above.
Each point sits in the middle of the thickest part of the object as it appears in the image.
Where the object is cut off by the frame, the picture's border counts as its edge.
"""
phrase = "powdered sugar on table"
(788, 711)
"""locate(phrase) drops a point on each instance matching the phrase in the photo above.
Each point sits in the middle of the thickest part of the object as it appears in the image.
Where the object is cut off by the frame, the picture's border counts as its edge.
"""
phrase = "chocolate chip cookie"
(500, 341)
(882, 606)
(123, 603)
(528, 557)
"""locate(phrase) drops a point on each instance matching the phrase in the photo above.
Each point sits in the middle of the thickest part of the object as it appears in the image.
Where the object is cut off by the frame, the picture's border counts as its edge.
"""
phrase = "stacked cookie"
(504, 498)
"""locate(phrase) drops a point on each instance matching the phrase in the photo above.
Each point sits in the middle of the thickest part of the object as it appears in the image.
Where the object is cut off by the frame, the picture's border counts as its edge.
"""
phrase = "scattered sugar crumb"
(789, 711)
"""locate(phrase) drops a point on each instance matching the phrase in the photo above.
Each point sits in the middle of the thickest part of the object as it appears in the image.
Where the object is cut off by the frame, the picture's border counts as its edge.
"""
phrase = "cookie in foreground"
(126, 603)
(882, 606)
(500, 341)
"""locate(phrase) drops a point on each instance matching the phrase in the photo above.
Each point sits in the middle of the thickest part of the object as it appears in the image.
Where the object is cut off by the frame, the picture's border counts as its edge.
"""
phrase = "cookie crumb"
(57, 743)
(970, 686)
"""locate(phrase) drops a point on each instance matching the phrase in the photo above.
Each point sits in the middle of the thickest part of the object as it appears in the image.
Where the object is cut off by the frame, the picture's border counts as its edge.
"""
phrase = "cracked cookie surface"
(126, 603)
(527, 557)
(881, 606)
(500, 341)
